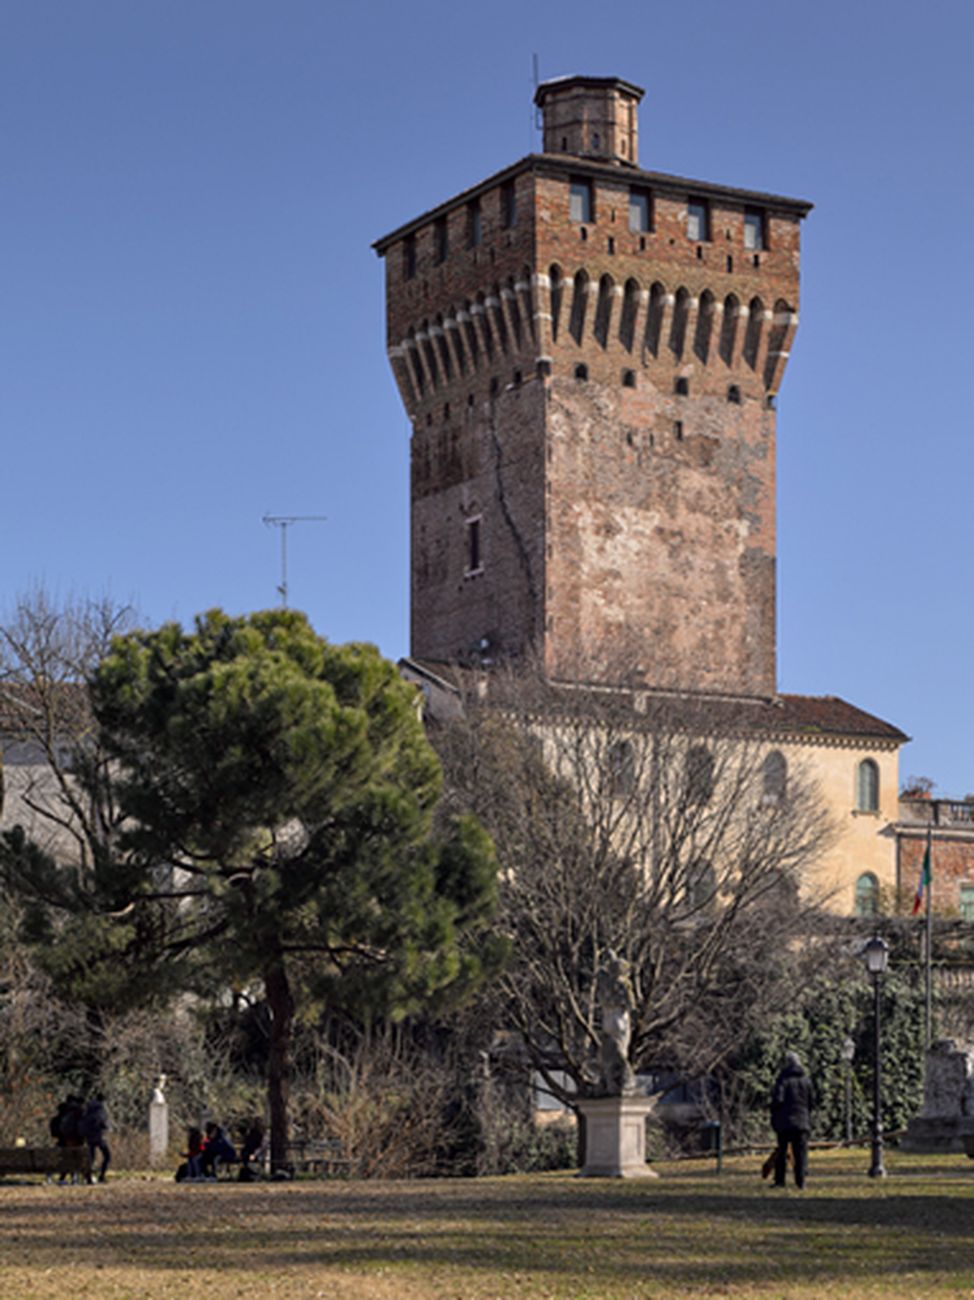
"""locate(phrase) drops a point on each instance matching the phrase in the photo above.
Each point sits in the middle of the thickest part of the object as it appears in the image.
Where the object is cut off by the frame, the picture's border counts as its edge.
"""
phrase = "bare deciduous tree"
(668, 828)
(47, 651)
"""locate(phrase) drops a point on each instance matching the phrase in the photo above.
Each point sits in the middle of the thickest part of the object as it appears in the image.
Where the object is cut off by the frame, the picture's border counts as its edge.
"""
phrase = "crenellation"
(589, 404)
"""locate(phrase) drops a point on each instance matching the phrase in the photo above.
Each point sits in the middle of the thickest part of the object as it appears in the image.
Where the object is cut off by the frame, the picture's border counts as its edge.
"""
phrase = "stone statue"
(616, 1001)
(159, 1124)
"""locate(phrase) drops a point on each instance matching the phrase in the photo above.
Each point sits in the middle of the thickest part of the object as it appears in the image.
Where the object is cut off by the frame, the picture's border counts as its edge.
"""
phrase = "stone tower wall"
(591, 391)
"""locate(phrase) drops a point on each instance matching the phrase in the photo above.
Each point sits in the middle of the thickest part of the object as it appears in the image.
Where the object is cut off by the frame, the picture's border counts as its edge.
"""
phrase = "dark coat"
(94, 1122)
(792, 1099)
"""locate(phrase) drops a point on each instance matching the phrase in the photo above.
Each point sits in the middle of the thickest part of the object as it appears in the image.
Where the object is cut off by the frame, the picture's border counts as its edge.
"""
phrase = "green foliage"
(264, 811)
(290, 784)
(827, 1013)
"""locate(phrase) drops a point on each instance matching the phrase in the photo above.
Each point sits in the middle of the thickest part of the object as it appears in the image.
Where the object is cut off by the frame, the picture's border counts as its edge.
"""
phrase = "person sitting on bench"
(217, 1147)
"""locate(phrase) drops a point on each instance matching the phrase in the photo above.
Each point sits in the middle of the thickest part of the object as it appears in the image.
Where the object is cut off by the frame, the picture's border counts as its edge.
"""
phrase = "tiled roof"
(799, 716)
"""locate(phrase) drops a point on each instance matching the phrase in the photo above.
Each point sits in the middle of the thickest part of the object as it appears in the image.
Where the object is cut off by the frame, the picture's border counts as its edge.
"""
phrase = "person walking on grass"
(792, 1099)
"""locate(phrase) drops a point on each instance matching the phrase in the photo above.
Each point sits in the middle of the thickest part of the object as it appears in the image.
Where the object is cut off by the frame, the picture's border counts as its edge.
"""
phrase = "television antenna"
(284, 522)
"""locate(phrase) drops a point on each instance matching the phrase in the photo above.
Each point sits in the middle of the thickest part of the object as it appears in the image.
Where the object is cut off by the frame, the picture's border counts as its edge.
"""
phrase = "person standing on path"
(792, 1099)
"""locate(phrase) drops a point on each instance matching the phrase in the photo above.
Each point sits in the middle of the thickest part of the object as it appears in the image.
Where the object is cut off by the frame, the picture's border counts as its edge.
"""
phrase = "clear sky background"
(191, 317)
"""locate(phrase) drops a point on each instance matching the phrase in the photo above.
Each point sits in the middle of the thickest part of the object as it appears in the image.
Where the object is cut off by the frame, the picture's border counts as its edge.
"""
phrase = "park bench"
(326, 1157)
(45, 1160)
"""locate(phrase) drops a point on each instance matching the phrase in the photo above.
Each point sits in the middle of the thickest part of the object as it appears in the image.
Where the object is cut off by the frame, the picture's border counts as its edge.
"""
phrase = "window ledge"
(865, 812)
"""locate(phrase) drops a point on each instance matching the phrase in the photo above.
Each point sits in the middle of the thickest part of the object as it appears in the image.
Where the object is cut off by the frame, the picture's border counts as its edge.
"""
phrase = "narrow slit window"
(475, 559)
(441, 240)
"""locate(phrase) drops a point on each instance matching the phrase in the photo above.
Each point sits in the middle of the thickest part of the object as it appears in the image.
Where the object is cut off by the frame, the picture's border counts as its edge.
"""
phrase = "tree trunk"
(581, 1139)
(280, 1003)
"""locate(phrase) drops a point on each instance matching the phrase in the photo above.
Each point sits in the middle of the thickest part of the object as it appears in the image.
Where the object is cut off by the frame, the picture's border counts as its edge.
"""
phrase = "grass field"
(550, 1235)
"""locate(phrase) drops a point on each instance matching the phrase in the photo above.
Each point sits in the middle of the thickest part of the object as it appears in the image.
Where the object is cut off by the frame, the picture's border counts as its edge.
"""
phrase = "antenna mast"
(536, 120)
(284, 522)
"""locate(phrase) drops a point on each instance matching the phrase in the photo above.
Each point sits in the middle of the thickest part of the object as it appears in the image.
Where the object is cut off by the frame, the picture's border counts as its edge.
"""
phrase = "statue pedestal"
(946, 1122)
(615, 1137)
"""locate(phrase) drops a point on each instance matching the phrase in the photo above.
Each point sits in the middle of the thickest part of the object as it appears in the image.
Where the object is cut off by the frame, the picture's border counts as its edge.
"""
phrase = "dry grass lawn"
(689, 1233)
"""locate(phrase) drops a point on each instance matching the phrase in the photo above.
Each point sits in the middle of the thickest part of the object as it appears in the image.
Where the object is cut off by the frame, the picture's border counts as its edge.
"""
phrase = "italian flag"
(924, 882)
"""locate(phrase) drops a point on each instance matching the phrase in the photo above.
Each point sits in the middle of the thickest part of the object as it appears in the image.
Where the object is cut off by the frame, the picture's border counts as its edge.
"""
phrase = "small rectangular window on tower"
(508, 205)
(475, 560)
(753, 229)
(441, 240)
(475, 232)
(698, 221)
(409, 257)
(580, 206)
(640, 212)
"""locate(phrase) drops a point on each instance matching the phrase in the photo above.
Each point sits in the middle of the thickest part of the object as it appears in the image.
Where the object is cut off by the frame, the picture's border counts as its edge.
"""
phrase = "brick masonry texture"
(600, 400)
(953, 866)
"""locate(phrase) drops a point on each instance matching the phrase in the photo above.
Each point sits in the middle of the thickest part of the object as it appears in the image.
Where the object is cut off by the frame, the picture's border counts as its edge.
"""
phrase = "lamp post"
(876, 956)
(848, 1055)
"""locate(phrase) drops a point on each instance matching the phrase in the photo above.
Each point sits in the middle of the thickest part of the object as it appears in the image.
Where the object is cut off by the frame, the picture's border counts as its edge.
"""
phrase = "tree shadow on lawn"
(622, 1234)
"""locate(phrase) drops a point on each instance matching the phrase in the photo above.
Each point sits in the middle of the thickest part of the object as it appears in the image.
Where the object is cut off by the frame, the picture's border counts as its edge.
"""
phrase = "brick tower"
(589, 355)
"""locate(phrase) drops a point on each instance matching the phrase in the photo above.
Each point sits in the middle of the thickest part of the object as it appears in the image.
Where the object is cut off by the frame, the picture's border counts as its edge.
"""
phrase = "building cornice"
(563, 166)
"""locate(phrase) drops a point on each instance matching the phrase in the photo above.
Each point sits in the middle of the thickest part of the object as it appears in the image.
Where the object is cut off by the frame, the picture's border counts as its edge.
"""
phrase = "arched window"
(627, 320)
(576, 319)
(774, 777)
(705, 323)
(654, 317)
(678, 326)
(699, 775)
(728, 329)
(557, 289)
(752, 334)
(622, 768)
(867, 895)
(603, 309)
(867, 786)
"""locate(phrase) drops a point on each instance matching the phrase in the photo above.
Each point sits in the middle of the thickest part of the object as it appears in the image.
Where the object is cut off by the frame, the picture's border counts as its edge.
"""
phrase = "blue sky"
(191, 328)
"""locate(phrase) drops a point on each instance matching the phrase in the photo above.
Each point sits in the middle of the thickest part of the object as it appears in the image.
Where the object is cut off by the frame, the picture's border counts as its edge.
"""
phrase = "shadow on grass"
(684, 1231)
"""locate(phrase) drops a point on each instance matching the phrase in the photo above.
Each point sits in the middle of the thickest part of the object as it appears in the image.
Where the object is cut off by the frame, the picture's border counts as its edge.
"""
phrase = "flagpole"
(928, 1034)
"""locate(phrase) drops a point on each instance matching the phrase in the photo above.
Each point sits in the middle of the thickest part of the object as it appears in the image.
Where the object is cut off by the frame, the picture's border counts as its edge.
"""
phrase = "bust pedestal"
(615, 1137)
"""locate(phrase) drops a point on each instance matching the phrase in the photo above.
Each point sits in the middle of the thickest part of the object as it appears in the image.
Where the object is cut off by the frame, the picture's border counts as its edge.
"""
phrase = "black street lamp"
(848, 1056)
(876, 956)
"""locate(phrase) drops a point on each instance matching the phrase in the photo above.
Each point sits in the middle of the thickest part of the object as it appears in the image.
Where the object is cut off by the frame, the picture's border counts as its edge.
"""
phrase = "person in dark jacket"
(93, 1127)
(792, 1099)
(216, 1148)
(69, 1125)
